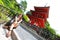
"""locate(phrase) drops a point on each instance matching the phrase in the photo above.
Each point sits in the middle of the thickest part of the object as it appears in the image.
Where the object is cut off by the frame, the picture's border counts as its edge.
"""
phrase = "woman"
(13, 24)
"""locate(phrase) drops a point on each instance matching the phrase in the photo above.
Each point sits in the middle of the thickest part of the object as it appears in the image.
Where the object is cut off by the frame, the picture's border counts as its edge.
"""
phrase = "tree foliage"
(13, 7)
(23, 5)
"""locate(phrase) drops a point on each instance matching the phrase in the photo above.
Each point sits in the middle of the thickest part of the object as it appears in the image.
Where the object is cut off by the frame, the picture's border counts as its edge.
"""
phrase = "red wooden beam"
(42, 9)
(40, 14)
(40, 22)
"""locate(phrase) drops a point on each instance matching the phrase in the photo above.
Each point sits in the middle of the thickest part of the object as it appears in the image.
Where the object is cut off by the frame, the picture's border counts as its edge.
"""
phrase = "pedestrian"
(12, 24)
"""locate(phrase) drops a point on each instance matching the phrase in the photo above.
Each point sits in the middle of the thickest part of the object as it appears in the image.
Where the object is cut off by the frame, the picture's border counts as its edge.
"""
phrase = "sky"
(54, 11)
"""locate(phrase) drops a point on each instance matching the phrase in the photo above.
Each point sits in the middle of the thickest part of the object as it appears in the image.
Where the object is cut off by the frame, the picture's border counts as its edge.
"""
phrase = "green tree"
(14, 7)
(23, 6)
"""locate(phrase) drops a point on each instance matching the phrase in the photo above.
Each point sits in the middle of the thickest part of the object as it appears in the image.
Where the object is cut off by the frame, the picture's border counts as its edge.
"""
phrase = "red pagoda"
(39, 16)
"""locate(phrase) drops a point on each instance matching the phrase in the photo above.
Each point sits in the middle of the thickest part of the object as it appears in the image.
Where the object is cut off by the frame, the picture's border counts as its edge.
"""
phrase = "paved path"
(26, 33)
(31, 31)
(23, 34)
